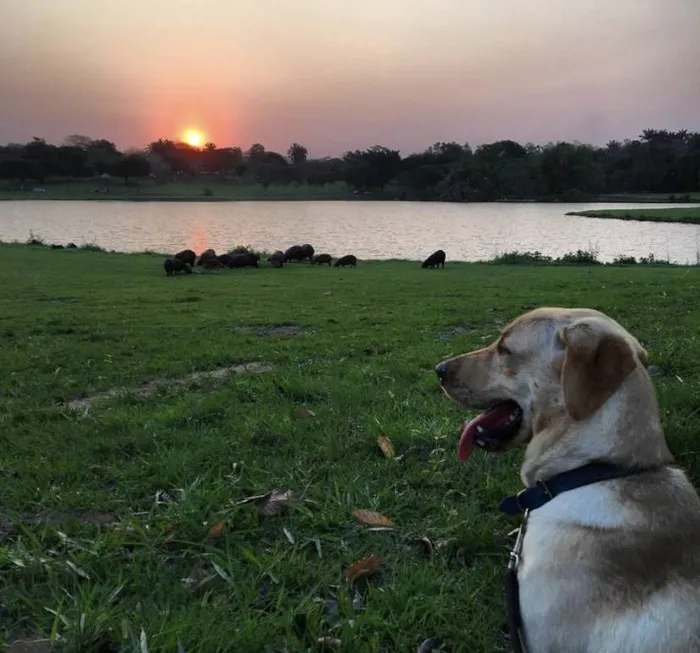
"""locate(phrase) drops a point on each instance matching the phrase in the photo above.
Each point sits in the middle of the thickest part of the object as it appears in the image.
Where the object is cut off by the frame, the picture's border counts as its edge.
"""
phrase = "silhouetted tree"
(131, 165)
(78, 140)
(371, 169)
(571, 170)
(231, 160)
(17, 169)
(297, 154)
(72, 161)
(256, 153)
(271, 168)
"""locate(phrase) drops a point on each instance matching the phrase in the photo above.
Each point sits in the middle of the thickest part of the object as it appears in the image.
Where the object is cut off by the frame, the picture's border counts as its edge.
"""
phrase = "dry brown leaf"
(218, 529)
(271, 503)
(385, 445)
(371, 518)
(305, 413)
(425, 544)
(329, 642)
(254, 498)
(367, 566)
(276, 501)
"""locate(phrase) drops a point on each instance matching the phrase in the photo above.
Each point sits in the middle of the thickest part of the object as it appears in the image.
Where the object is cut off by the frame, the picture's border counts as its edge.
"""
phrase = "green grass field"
(186, 191)
(690, 215)
(186, 561)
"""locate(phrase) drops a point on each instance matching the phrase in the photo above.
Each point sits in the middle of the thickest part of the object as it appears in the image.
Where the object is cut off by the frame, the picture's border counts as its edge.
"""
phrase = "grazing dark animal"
(211, 263)
(435, 260)
(294, 253)
(276, 259)
(226, 260)
(307, 252)
(56, 246)
(71, 246)
(245, 260)
(176, 266)
(186, 255)
(206, 254)
(349, 259)
(320, 259)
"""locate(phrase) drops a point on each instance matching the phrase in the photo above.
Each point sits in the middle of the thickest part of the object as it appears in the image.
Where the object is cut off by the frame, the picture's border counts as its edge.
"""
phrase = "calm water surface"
(370, 230)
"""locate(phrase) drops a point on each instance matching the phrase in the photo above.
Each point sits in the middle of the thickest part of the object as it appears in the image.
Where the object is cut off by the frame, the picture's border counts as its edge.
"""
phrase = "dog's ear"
(596, 362)
(643, 356)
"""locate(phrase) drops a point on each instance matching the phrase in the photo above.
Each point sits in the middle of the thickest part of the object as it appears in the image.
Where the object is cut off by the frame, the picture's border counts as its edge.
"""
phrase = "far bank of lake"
(217, 190)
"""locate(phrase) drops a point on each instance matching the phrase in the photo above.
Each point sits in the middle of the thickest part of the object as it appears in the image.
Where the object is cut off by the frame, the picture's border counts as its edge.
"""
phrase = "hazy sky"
(336, 75)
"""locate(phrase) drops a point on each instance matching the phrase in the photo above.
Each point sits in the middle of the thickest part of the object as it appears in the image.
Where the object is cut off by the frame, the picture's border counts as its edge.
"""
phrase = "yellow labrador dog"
(608, 558)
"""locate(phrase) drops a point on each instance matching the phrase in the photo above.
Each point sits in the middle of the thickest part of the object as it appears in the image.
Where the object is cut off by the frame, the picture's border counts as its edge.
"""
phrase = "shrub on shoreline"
(585, 257)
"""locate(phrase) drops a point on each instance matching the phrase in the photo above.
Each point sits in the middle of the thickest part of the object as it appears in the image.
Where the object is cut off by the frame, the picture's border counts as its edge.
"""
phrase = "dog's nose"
(441, 370)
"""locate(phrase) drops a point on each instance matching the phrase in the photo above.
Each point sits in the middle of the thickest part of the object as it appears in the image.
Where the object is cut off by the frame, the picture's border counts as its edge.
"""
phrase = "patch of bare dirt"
(8, 527)
(263, 330)
(458, 330)
(30, 646)
(60, 300)
(149, 388)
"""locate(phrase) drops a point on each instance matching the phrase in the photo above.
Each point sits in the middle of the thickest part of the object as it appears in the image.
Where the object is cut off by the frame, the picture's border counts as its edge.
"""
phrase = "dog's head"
(548, 364)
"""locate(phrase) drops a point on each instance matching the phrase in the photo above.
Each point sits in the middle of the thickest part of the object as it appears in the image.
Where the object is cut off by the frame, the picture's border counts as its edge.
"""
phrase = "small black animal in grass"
(435, 260)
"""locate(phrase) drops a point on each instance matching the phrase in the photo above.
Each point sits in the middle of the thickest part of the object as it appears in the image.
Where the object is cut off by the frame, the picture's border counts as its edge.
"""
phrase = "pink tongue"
(490, 421)
(466, 440)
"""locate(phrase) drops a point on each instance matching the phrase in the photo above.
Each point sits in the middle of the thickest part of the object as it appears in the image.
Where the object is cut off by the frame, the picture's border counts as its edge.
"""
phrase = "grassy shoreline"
(220, 191)
(170, 552)
(685, 215)
(587, 257)
(195, 191)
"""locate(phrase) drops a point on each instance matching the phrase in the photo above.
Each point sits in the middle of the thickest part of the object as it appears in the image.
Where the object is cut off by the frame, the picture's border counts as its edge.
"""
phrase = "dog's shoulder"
(622, 553)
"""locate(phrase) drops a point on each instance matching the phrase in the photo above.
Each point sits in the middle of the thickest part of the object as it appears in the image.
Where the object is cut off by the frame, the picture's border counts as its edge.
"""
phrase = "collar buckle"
(521, 507)
(545, 488)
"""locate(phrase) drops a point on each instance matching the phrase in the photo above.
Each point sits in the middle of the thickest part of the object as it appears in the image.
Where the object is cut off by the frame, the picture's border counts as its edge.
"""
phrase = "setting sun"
(193, 137)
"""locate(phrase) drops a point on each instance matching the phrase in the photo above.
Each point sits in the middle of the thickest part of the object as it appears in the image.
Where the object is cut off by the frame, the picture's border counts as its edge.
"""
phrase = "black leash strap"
(515, 620)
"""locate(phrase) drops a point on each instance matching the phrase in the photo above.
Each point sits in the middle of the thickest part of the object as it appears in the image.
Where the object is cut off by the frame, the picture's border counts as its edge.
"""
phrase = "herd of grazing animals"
(186, 260)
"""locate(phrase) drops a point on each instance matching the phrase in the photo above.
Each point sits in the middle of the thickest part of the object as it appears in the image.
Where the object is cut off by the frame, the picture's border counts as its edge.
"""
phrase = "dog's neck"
(626, 430)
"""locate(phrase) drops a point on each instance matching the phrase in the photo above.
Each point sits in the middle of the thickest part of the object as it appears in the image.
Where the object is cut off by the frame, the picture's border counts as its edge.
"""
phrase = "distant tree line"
(658, 161)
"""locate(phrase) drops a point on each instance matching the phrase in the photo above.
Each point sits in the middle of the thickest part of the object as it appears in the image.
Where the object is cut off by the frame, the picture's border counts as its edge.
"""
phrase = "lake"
(370, 230)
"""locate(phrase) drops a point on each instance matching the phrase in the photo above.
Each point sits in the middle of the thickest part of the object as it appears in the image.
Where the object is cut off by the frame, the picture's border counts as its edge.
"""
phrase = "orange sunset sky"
(339, 75)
